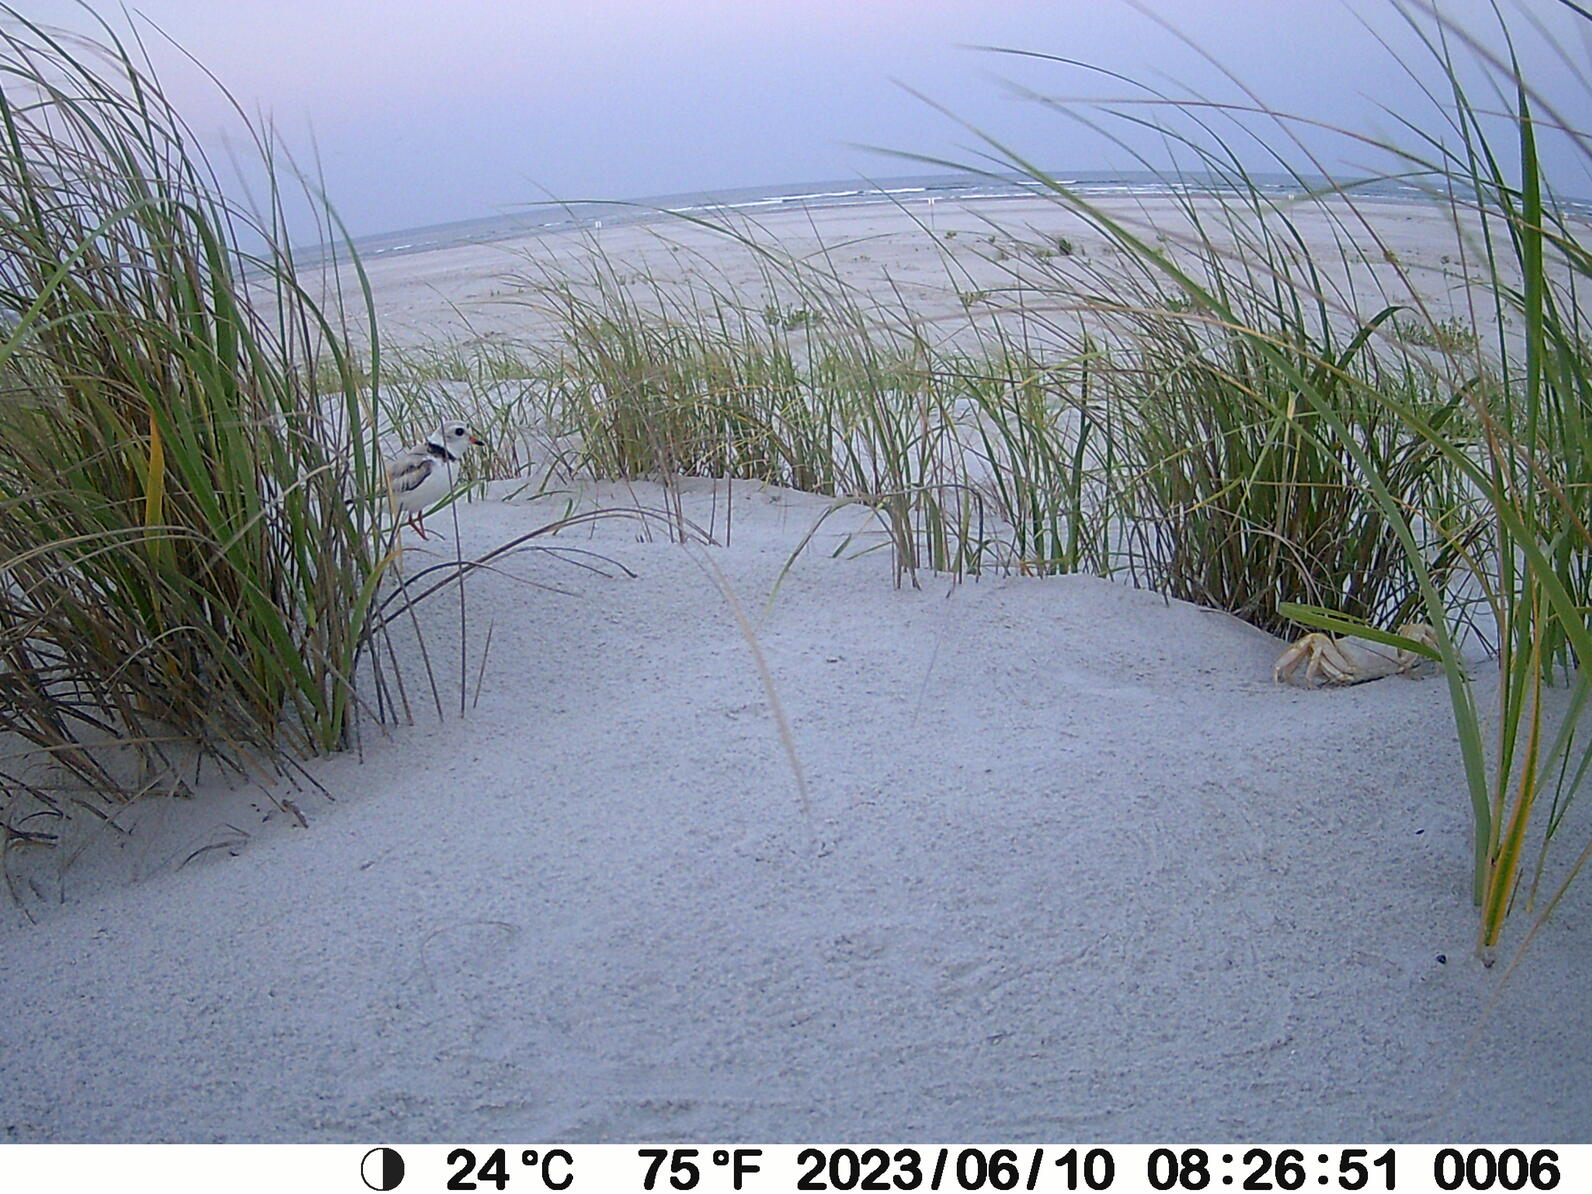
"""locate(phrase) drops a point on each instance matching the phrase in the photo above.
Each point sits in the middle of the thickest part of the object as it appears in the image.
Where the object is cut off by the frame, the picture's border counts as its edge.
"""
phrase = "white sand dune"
(1070, 866)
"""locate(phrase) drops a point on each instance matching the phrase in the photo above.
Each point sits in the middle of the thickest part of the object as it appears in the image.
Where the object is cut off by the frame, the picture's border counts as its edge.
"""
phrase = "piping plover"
(425, 474)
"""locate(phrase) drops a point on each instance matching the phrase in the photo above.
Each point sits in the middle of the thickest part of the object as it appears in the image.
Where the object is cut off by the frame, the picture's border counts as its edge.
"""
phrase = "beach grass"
(1534, 465)
(181, 430)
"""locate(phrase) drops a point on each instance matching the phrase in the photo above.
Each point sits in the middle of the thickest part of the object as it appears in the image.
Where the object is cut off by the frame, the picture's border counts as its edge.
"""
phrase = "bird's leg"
(420, 526)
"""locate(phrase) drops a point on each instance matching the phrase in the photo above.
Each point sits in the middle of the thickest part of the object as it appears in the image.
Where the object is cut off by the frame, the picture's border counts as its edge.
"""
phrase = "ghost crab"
(1320, 659)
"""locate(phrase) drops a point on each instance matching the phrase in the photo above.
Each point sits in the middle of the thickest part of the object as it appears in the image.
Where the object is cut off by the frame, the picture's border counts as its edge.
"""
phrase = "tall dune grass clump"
(1533, 463)
(1232, 491)
(1460, 442)
(795, 379)
(180, 566)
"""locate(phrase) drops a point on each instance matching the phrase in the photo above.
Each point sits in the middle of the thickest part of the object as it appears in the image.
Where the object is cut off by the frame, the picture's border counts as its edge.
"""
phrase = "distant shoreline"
(544, 218)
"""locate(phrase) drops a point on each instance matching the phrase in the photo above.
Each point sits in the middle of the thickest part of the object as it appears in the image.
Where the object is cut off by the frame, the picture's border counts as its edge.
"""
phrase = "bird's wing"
(408, 472)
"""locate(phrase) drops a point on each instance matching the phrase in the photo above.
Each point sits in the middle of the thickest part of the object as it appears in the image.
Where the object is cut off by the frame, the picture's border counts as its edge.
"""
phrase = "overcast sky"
(423, 111)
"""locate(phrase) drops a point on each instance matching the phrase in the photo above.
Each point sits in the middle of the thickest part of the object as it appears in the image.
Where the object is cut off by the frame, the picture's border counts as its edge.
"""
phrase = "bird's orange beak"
(478, 442)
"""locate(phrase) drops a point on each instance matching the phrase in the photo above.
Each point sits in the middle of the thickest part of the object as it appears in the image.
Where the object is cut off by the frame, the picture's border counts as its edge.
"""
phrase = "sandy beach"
(1062, 861)
(915, 256)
